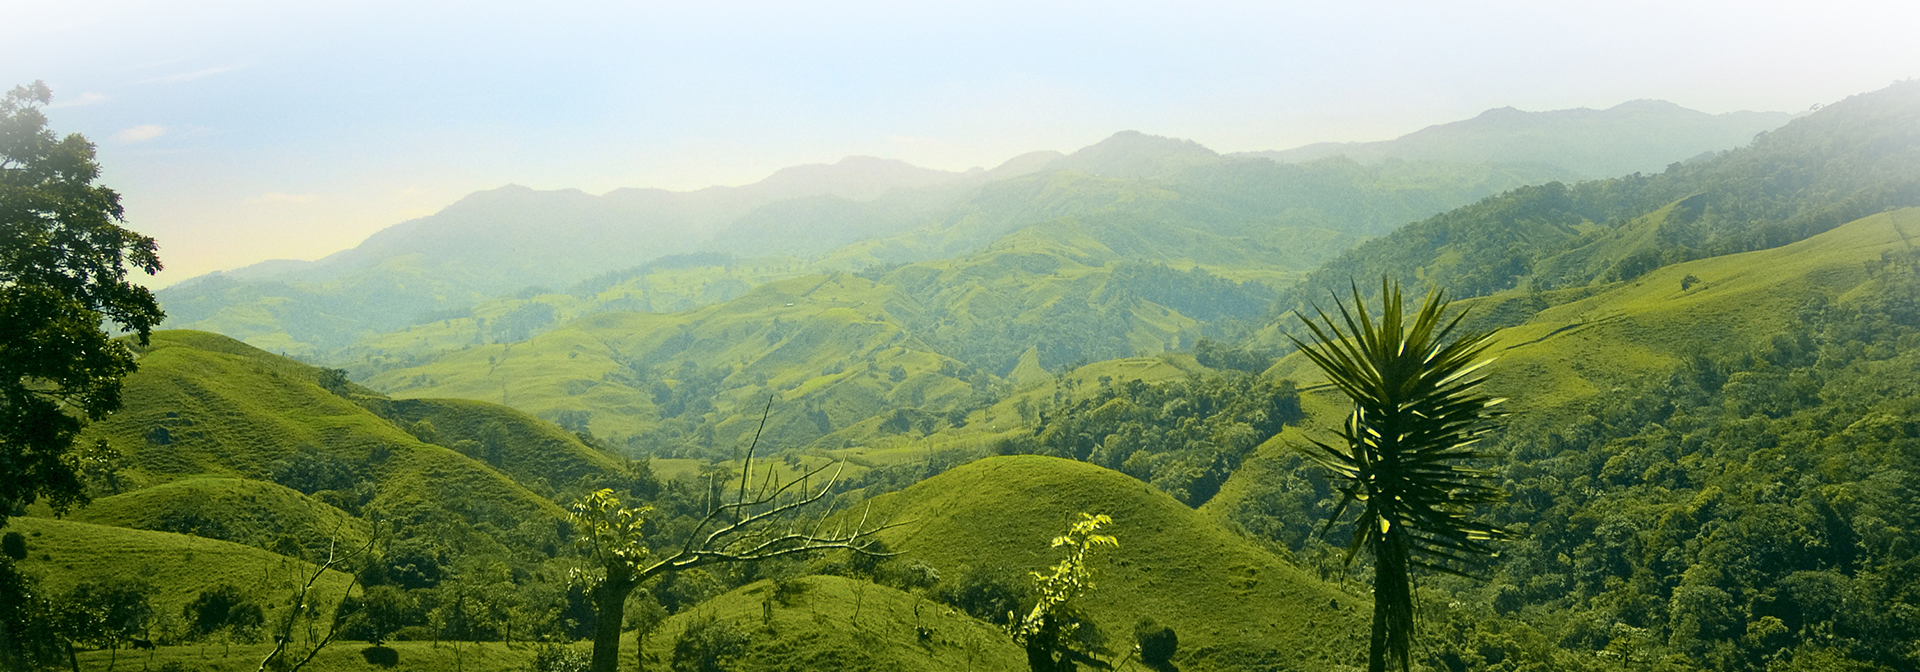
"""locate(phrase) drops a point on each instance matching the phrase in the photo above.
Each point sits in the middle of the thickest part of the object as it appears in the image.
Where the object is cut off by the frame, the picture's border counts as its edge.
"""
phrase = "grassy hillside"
(255, 513)
(177, 567)
(206, 405)
(1233, 605)
(342, 656)
(534, 453)
(835, 623)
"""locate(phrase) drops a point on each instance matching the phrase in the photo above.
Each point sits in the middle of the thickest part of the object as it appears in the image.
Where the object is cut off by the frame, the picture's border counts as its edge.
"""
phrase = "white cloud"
(141, 133)
(190, 76)
(277, 198)
(84, 100)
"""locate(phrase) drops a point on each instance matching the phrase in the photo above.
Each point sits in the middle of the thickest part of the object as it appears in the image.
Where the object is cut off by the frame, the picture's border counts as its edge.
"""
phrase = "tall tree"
(63, 270)
(1409, 443)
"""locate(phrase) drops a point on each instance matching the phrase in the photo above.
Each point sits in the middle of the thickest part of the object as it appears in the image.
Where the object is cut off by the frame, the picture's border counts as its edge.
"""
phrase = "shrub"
(990, 595)
(380, 655)
(1157, 642)
(708, 645)
(556, 659)
(14, 545)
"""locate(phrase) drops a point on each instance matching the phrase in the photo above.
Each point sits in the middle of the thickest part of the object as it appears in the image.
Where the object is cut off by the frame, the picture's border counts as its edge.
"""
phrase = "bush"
(708, 645)
(1157, 642)
(986, 594)
(556, 659)
(14, 545)
(380, 655)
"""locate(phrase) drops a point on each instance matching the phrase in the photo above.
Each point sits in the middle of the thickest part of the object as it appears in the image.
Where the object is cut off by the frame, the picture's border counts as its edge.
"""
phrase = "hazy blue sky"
(244, 131)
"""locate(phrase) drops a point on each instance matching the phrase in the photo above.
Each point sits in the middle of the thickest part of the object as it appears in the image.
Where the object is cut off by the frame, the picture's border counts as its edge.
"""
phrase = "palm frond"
(1416, 425)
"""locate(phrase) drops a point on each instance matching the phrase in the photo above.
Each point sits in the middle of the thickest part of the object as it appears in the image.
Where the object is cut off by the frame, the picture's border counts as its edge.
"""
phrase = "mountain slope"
(1636, 136)
(1849, 160)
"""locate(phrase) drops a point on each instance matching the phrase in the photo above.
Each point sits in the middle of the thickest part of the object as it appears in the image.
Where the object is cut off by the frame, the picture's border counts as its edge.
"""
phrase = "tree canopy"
(63, 271)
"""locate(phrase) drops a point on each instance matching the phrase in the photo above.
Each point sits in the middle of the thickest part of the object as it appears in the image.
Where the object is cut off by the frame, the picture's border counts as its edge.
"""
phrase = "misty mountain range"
(514, 238)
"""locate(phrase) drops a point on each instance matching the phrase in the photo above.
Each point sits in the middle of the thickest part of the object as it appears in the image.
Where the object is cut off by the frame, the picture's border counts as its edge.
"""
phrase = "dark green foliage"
(106, 614)
(1214, 355)
(1749, 505)
(708, 645)
(522, 322)
(991, 594)
(380, 656)
(1185, 437)
(224, 608)
(1417, 414)
(1194, 293)
(375, 615)
(30, 635)
(63, 270)
(312, 470)
(13, 545)
(557, 659)
(1157, 643)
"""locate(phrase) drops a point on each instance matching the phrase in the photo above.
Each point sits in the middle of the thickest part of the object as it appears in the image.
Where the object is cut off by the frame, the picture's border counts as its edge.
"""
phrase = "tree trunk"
(1392, 640)
(610, 605)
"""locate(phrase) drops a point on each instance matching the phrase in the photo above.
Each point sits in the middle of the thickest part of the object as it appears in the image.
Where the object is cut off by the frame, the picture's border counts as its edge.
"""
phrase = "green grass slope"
(525, 448)
(178, 567)
(341, 656)
(207, 405)
(255, 513)
(835, 623)
(1233, 605)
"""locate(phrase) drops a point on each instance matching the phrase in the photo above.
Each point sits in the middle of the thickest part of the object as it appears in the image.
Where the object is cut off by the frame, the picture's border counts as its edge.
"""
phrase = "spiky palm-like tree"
(1417, 414)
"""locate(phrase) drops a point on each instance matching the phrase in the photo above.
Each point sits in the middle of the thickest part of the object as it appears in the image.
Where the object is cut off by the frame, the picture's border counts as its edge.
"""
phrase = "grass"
(178, 567)
(341, 656)
(242, 511)
(835, 623)
(1231, 603)
(230, 411)
(523, 447)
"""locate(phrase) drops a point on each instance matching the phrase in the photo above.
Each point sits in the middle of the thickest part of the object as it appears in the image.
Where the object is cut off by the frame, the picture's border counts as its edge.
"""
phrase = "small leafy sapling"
(1046, 631)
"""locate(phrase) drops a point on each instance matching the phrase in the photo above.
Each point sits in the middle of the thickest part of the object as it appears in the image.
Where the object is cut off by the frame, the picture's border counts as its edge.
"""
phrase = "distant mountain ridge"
(1150, 198)
(1635, 136)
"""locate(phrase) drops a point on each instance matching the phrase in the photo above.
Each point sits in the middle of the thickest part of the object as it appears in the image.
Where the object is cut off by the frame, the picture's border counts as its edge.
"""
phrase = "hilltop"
(1638, 136)
(1232, 604)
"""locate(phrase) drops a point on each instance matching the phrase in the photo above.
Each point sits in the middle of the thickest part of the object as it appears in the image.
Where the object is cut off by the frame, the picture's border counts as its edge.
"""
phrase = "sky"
(238, 132)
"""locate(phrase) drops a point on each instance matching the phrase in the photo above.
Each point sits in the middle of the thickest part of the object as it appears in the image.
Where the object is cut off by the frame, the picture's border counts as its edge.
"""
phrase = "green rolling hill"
(205, 411)
(1232, 604)
(835, 623)
(255, 513)
(178, 567)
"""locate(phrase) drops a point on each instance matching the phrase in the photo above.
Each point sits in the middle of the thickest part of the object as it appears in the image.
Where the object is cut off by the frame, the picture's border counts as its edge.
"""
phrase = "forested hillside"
(1851, 159)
